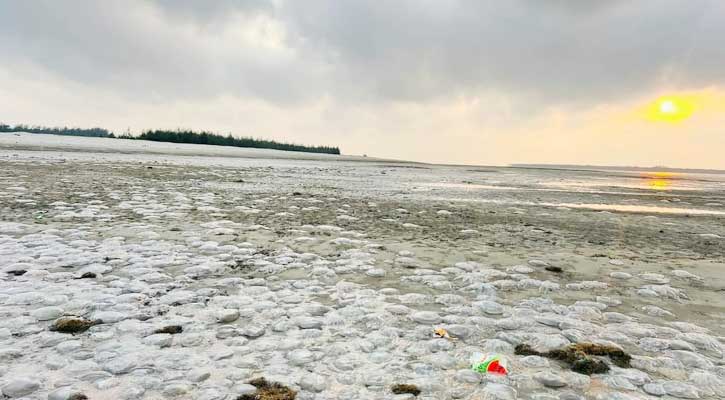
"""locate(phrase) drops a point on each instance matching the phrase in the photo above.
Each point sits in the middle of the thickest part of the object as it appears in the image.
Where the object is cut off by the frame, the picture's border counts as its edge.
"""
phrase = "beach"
(331, 274)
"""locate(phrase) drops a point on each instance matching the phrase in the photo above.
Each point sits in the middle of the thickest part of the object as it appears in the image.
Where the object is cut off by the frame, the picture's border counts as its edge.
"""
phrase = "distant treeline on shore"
(186, 136)
(177, 136)
(93, 132)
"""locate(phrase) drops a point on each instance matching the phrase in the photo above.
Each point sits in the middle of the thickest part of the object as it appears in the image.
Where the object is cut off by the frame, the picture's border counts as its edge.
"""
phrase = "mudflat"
(191, 275)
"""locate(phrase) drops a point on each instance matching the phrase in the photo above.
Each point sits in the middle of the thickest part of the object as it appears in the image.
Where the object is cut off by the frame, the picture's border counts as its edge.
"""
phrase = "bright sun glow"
(659, 180)
(670, 109)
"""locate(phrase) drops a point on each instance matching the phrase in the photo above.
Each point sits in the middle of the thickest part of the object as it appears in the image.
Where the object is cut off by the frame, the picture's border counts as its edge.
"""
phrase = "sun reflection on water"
(659, 180)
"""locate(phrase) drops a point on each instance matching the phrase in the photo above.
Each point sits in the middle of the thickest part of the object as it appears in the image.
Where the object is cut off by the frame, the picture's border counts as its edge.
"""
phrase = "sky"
(464, 82)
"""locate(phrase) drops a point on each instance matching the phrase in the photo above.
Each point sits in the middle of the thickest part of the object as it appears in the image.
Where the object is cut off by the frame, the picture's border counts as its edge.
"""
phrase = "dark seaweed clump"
(554, 269)
(72, 325)
(404, 388)
(269, 391)
(577, 356)
(87, 275)
(172, 329)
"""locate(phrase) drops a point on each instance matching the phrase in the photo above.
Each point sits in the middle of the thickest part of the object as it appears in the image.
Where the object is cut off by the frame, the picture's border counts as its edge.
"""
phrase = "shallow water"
(608, 187)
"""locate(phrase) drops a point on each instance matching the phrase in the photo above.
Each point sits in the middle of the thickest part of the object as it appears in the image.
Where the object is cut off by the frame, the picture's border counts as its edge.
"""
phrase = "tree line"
(94, 132)
(177, 136)
(188, 136)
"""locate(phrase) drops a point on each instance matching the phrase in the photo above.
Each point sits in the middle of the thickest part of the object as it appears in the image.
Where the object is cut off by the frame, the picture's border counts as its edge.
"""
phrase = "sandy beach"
(330, 275)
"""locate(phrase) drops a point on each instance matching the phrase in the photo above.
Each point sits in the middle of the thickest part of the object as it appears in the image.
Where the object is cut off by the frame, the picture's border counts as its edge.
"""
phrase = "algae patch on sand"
(577, 356)
(404, 388)
(72, 325)
(269, 391)
(171, 329)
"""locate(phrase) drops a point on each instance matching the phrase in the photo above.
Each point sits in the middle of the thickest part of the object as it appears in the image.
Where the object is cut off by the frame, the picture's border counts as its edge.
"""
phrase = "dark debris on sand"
(269, 391)
(171, 329)
(404, 388)
(577, 356)
(73, 325)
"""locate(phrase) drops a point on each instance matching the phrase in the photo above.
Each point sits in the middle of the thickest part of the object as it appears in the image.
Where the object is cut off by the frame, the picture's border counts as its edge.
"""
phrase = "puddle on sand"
(636, 209)
(656, 186)
(599, 207)
(453, 185)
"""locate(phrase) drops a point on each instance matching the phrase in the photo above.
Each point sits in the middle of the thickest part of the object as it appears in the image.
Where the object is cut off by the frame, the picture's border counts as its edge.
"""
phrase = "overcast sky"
(479, 82)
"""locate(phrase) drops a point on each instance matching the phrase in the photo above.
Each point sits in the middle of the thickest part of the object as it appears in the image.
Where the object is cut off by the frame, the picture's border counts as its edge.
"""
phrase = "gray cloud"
(564, 52)
(207, 12)
(141, 49)
(410, 51)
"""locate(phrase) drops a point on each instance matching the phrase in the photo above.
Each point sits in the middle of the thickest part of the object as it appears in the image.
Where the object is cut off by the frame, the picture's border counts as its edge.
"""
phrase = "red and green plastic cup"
(489, 364)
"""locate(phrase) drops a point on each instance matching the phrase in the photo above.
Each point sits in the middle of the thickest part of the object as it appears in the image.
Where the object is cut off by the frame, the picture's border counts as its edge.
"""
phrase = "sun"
(670, 109)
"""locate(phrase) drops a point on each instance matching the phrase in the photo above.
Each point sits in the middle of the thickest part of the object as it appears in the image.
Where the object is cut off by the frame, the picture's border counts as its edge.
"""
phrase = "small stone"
(535, 362)
(498, 391)
(656, 311)
(375, 272)
(538, 263)
(159, 339)
(468, 376)
(222, 354)
(690, 359)
(20, 387)
(198, 375)
(192, 339)
(132, 393)
(620, 275)
(226, 316)
(681, 390)
(619, 382)
(120, 365)
(176, 389)
(459, 331)
(308, 322)
(313, 382)
(425, 317)
(300, 357)
(654, 389)
(253, 331)
(397, 309)
(549, 379)
(46, 313)
(489, 307)
(109, 317)
(244, 389)
(685, 274)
